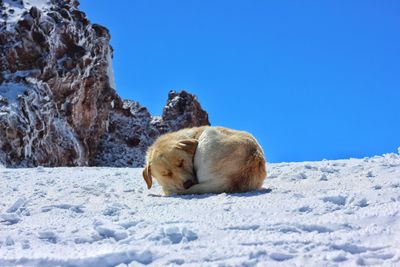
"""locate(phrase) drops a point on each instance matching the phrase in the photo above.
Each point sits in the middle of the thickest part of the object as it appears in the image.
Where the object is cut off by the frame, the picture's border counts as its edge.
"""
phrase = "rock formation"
(131, 129)
(58, 106)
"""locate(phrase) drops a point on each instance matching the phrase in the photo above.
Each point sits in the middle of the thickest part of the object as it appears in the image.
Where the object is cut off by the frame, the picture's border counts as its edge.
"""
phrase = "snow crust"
(327, 213)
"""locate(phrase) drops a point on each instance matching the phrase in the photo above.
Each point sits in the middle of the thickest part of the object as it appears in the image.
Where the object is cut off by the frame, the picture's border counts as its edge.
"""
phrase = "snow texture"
(326, 213)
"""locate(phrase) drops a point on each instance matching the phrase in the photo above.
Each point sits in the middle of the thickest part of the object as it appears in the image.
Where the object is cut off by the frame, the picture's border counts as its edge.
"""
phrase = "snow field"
(327, 213)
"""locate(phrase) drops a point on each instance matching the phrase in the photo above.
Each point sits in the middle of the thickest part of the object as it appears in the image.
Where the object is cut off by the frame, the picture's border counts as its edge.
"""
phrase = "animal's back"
(232, 158)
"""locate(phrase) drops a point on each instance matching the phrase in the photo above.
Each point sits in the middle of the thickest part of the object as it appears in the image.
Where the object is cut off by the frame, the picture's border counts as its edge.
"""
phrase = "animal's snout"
(188, 184)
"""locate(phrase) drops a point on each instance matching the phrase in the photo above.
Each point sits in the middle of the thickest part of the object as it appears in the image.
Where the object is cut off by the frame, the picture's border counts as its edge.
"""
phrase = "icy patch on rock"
(110, 70)
(9, 92)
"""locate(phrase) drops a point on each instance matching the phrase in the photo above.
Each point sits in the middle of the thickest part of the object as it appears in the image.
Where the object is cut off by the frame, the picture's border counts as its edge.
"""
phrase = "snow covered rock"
(54, 86)
(57, 92)
(131, 129)
(182, 111)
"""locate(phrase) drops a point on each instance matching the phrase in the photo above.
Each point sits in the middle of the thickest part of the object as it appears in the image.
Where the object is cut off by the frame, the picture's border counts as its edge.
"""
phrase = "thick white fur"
(203, 158)
(224, 148)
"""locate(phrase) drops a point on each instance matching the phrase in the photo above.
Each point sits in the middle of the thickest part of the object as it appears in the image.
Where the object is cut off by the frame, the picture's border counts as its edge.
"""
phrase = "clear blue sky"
(309, 79)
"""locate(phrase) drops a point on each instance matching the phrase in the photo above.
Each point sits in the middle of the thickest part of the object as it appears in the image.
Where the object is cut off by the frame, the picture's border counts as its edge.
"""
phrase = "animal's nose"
(188, 184)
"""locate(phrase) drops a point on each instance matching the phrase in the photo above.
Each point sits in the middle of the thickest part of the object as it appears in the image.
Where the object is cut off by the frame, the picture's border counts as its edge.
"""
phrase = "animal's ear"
(147, 176)
(188, 145)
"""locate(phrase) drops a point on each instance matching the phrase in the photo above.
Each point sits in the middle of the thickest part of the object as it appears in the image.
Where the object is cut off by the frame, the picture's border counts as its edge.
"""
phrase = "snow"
(327, 213)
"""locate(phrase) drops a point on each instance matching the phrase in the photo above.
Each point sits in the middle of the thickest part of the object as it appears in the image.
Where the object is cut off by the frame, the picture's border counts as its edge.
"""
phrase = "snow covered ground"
(327, 213)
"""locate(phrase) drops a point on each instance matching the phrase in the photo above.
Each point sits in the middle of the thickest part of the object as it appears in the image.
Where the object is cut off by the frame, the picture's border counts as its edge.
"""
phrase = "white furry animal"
(205, 160)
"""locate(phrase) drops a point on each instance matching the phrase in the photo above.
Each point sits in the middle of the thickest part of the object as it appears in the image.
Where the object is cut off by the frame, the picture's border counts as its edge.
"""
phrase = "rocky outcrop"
(58, 106)
(182, 111)
(132, 129)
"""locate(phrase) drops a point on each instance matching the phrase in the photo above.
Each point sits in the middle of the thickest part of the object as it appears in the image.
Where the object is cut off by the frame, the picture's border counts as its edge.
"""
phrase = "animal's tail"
(257, 162)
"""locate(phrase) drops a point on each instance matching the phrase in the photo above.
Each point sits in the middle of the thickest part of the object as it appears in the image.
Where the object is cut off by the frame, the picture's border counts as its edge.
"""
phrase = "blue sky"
(309, 79)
